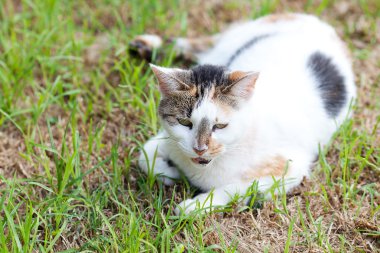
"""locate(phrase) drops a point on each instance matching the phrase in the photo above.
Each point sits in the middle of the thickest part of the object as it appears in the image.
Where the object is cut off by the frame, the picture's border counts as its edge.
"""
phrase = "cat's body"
(245, 126)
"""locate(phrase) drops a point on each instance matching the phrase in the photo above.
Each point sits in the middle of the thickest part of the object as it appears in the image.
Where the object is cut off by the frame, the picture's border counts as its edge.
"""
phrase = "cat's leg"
(274, 174)
(155, 158)
(189, 48)
(279, 173)
(208, 201)
(145, 44)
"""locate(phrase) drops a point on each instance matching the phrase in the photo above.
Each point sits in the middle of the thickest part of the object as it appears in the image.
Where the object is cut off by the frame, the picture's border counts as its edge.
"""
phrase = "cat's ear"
(242, 84)
(171, 80)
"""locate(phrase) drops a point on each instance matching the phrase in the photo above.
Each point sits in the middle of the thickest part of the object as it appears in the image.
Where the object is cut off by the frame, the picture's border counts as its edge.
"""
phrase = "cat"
(266, 96)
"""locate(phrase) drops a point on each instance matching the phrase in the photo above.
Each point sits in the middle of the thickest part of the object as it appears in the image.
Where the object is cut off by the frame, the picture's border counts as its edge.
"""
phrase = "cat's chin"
(201, 161)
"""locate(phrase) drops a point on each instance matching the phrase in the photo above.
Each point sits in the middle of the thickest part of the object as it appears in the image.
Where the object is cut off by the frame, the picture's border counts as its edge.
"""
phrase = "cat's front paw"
(186, 207)
(144, 44)
(202, 203)
(166, 171)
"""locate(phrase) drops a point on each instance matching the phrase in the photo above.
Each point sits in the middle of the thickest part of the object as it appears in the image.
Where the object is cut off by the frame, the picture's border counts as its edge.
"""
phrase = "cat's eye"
(185, 122)
(219, 126)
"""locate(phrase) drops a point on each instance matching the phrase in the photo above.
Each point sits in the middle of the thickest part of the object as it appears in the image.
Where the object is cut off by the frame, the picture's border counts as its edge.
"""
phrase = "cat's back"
(300, 58)
(306, 81)
(273, 37)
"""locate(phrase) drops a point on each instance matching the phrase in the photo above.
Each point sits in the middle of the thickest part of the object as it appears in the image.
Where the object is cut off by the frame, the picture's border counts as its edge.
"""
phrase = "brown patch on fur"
(214, 147)
(280, 17)
(236, 75)
(275, 166)
(193, 90)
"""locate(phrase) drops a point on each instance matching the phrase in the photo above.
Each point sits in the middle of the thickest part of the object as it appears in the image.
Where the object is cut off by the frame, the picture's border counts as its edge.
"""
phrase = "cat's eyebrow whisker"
(171, 138)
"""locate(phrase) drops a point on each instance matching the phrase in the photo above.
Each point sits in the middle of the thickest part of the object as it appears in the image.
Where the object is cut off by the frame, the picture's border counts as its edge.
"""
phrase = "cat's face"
(200, 108)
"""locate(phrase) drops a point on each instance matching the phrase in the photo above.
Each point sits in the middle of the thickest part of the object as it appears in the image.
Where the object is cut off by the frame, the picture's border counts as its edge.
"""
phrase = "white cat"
(278, 87)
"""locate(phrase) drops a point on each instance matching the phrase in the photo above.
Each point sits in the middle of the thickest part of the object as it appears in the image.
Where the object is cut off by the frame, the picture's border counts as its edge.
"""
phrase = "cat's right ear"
(171, 80)
(242, 84)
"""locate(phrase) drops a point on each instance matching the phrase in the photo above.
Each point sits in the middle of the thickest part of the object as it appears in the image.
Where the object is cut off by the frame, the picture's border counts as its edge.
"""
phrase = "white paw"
(203, 203)
(145, 44)
(166, 173)
(186, 207)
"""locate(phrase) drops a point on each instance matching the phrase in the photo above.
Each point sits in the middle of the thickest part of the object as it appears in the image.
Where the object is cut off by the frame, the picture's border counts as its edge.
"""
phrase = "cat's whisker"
(184, 149)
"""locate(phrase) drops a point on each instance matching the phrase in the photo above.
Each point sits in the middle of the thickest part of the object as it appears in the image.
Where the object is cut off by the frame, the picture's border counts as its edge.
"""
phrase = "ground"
(75, 107)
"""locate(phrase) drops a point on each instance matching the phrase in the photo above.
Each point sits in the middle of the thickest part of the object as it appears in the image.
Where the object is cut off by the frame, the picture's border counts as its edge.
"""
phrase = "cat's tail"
(189, 48)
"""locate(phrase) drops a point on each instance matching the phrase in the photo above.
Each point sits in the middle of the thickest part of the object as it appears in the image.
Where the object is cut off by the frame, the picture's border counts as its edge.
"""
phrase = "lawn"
(75, 108)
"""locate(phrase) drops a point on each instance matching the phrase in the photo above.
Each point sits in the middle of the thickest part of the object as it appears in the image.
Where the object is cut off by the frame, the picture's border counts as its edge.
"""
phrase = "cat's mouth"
(200, 160)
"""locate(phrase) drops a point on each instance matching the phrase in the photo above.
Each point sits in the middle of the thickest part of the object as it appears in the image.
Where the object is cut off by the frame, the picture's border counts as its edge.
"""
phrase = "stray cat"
(266, 95)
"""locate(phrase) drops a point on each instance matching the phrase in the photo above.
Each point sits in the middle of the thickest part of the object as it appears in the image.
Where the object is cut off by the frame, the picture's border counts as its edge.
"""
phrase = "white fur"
(285, 115)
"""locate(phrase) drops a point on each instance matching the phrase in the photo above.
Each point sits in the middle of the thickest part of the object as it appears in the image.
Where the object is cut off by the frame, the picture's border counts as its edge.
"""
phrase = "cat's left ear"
(171, 80)
(242, 84)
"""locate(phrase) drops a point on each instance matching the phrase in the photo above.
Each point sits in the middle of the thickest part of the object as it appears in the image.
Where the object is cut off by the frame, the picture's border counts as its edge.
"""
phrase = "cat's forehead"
(211, 110)
(206, 109)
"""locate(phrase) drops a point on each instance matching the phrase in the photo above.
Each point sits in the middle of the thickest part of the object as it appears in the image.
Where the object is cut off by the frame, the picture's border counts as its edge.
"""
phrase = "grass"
(75, 108)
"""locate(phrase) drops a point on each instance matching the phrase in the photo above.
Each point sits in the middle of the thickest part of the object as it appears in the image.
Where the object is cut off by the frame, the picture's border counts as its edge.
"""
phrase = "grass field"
(75, 108)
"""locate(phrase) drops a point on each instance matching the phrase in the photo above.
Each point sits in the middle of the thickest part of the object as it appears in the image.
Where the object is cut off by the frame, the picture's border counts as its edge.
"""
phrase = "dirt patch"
(267, 228)
(11, 145)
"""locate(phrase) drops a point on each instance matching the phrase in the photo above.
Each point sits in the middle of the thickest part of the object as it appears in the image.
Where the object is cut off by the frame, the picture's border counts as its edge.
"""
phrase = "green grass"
(81, 120)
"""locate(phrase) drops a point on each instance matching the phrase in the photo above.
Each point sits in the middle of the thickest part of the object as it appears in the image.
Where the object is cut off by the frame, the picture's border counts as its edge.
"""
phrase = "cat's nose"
(201, 150)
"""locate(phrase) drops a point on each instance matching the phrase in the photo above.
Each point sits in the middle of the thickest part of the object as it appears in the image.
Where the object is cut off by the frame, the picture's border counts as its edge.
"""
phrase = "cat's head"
(200, 108)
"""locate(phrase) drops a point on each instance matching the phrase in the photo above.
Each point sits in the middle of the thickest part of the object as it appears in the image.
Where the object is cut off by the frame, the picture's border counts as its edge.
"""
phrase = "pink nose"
(200, 151)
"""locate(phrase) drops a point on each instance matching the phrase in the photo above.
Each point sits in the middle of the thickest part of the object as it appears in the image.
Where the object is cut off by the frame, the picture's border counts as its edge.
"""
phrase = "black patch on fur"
(246, 46)
(171, 163)
(197, 191)
(330, 83)
(205, 76)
